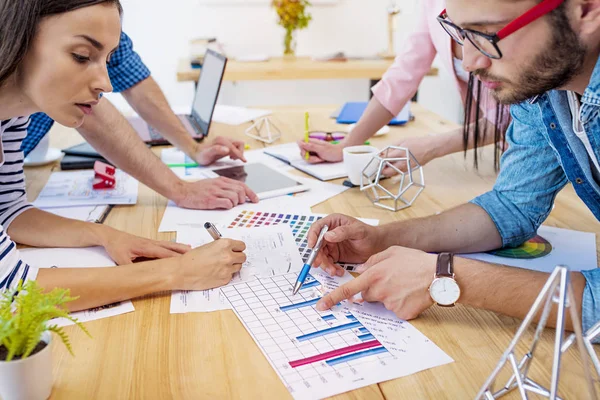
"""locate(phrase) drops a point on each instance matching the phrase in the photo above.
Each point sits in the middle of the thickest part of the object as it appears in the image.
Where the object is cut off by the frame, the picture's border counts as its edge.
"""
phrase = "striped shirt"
(13, 201)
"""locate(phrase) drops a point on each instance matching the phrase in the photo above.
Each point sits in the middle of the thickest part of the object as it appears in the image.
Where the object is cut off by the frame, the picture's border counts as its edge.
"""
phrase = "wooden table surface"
(299, 68)
(150, 354)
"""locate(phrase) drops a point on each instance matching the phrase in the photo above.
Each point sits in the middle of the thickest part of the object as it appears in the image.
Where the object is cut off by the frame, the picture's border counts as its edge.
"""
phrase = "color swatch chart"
(533, 248)
(300, 225)
(319, 354)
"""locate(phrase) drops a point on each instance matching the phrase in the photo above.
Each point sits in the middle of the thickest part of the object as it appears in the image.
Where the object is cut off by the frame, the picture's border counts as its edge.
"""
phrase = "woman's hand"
(209, 266)
(123, 248)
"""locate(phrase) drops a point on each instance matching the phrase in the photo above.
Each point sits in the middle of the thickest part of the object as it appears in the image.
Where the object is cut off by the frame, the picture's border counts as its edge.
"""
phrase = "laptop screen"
(207, 91)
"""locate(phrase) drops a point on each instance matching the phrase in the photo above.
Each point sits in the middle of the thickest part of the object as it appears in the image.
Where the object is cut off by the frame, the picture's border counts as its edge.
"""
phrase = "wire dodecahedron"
(411, 180)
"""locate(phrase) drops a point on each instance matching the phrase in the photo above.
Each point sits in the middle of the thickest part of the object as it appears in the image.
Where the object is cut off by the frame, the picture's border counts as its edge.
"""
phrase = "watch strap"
(445, 265)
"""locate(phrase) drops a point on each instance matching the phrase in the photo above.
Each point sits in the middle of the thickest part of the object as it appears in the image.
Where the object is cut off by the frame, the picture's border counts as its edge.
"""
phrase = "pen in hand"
(212, 231)
(313, 255)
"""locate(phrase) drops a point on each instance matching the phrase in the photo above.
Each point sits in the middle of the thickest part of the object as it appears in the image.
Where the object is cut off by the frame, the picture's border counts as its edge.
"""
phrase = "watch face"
(444, 291)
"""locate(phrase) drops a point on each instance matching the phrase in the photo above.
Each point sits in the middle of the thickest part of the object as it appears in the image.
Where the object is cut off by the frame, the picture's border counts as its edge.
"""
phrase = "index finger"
(236, 151)
(248, 192)
(344, 292)
(315, 229)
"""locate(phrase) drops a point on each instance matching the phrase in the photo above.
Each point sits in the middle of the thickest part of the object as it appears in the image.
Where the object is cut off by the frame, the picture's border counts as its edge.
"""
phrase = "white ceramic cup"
(356, 159)
(40, 151)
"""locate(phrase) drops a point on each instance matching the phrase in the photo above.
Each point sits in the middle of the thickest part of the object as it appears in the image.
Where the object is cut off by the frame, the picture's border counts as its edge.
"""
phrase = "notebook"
(351, 113)
(290, 154)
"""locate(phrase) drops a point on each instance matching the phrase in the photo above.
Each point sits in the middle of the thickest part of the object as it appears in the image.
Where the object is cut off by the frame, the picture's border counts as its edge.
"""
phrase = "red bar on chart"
(334, 353)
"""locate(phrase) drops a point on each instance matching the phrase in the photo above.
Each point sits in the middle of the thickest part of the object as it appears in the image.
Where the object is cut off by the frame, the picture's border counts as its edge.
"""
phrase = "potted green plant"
(25, 338)
(292, 16)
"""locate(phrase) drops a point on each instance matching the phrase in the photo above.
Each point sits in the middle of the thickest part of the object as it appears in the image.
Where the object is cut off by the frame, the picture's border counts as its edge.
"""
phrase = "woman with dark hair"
(53, 56)
(485, 121)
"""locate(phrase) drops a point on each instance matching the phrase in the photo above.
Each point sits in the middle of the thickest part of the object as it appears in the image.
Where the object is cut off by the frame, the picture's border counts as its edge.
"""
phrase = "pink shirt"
(401, 81)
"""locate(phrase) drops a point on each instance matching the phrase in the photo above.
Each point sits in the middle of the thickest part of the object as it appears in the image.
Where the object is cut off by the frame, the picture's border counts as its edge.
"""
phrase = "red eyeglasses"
(488, 44)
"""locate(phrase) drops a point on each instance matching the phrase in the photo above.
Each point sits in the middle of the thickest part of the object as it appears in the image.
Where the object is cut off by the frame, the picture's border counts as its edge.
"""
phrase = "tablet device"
(263, 180)
(69, 162)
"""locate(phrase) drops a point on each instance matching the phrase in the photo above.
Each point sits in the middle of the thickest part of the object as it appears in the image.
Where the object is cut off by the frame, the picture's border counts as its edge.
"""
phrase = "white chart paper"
(575, 249)
(74, 188)
(320, 354)
(269, 250)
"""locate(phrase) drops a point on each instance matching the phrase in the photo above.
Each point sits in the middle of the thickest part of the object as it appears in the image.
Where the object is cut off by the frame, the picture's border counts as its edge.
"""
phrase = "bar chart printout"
(319, 354)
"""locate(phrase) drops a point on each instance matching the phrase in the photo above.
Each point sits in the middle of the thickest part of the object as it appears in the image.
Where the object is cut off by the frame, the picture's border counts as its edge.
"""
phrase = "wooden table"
(300, 68)
(150, 354)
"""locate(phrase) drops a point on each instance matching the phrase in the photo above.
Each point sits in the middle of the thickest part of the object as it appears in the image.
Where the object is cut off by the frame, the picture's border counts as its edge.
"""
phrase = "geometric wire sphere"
(557, 291)
(411, 181)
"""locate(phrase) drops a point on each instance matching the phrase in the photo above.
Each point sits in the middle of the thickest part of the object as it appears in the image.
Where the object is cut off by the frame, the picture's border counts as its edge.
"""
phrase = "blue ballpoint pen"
(311, 259)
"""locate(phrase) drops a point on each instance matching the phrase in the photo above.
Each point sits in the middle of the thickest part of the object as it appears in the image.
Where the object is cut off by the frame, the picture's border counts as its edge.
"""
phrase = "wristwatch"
(444, 289)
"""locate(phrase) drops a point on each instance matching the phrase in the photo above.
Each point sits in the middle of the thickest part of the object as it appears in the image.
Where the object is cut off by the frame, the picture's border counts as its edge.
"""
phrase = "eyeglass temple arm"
(536, 12)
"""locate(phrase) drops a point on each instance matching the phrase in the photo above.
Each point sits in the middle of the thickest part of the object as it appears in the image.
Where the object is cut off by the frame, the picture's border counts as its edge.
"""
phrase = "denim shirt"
(544, 154)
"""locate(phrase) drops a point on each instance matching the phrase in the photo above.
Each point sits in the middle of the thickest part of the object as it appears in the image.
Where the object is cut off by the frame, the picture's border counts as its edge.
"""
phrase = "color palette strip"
(334, 353)
(300, 305)
(534, 248)
(355, 356)
(328, 331)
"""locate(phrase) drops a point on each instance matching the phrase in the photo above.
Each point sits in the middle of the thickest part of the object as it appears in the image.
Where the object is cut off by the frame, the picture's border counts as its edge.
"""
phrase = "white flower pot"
(28, 379)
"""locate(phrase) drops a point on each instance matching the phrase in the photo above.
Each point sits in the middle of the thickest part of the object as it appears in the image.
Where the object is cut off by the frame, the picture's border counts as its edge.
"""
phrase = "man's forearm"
(99, 286)
(112, 135)
(38, 228)
(149, 101)
(464, 229)
(507, 290)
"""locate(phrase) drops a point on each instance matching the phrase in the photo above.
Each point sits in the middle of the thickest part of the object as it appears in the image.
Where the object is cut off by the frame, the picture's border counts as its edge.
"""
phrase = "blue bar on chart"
(328, 317)
(363, 330)
(354, 356)
(351, 317)
(327, 331)
(310, 285)
(367, 336)
(300, 305)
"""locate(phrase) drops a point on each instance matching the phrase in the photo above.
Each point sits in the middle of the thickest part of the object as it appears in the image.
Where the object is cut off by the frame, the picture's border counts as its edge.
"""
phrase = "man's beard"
(562, 60)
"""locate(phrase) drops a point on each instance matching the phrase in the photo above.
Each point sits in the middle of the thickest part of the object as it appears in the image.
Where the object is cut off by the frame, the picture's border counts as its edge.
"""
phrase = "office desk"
(300, 68)
(150, 354)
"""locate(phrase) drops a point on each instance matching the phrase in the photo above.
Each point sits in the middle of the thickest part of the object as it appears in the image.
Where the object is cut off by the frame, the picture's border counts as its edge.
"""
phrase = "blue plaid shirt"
(125, 70)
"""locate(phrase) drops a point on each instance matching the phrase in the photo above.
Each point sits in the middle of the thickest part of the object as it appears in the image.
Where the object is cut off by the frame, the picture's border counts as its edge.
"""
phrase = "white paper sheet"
(81, 213)
(77, 258)
(577, 250)
(269, 250)
(232, 115)
(290, 153)
(321, 354)
(74, 188)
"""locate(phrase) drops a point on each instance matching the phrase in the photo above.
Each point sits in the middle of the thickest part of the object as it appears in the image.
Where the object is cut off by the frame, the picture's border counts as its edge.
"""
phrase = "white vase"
(28, 379)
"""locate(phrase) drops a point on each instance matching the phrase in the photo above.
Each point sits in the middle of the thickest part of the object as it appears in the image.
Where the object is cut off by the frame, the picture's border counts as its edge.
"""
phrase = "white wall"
(161, 32)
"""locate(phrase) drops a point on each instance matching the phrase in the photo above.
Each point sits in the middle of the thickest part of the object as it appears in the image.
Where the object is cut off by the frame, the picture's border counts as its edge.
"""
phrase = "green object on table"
(337, 142)
(185, 165)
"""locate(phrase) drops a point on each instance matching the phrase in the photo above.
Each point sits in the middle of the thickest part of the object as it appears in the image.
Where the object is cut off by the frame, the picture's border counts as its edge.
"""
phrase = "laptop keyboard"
(194, 124)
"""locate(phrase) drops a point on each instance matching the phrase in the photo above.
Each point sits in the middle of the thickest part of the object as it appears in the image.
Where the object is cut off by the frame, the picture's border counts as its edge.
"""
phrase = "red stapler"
(104, 176)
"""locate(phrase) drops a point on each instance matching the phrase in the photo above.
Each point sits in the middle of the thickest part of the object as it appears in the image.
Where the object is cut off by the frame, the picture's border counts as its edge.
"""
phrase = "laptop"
(207, 91)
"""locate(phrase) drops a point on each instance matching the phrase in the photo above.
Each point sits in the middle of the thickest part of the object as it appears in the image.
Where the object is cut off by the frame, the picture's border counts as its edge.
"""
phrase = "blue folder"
(351, 113)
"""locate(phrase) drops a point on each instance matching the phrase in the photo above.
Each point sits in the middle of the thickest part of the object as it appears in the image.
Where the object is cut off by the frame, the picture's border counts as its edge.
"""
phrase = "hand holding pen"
(311, 259)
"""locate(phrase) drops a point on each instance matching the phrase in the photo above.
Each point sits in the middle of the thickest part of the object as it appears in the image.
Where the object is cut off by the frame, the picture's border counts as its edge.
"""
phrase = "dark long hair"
(477, 105)
(19, 20)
